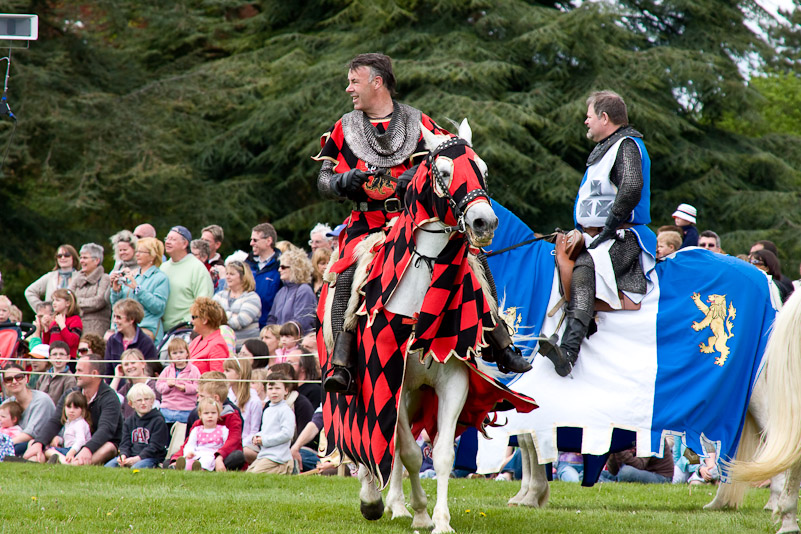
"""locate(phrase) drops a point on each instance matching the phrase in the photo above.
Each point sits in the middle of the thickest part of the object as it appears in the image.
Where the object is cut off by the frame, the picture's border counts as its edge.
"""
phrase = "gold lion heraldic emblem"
(721, 325)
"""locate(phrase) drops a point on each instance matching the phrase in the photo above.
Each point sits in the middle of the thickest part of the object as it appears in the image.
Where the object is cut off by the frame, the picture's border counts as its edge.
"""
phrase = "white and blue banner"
(684, 364)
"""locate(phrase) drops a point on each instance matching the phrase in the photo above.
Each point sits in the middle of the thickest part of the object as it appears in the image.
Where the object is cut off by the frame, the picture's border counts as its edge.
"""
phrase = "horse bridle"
(457, 209)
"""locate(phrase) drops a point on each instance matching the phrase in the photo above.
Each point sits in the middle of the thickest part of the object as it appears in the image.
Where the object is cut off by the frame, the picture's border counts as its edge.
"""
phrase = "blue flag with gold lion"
(708, 328)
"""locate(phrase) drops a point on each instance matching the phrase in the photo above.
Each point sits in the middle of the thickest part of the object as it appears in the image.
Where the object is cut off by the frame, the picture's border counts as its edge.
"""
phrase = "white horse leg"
(538, 490)
(412, 458)
(525, 456)
(372, 507)
(776, 488)
(788, 502)
(452, 392)
(395, 500)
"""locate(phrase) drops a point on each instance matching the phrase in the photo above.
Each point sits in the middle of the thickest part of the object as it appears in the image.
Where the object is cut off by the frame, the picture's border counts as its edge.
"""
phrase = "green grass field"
(62, 499)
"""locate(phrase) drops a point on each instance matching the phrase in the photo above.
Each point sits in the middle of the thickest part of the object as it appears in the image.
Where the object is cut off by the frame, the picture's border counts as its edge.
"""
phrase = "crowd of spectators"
(174, 358)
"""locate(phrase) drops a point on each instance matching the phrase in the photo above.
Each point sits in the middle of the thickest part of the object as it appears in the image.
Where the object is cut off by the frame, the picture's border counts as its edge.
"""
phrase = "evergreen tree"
(209, 112)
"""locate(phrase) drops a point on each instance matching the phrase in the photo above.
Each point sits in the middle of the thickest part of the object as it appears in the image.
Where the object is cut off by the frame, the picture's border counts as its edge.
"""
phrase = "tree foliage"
(209, 112)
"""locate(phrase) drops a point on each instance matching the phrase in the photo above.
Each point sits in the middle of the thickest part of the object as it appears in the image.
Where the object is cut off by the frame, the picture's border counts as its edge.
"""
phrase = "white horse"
(450, 380)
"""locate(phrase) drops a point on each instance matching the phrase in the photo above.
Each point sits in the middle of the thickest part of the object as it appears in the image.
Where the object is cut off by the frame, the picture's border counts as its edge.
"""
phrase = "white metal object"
(15, 27)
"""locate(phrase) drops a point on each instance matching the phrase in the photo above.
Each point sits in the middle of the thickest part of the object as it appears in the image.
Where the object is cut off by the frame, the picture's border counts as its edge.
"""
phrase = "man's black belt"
(390, 205)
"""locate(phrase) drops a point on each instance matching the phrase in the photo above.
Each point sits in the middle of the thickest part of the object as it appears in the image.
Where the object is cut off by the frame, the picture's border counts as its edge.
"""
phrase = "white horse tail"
(732, 493)
(781, 446)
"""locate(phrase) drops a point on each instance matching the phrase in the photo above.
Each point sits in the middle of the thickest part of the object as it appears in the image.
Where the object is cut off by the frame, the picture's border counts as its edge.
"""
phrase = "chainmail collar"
(601, 148)
(389, 149)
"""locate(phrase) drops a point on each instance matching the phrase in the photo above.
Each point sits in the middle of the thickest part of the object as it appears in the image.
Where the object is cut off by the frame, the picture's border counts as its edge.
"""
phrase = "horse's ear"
(465, 132)
(429, 137)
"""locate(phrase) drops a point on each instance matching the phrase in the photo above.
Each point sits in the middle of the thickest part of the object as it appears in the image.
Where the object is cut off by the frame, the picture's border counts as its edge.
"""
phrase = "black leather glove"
(609, 232)
(349, 183)
(403, 182)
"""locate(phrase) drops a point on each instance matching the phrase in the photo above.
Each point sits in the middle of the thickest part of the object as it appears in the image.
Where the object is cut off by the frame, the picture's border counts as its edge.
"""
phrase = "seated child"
(144, 434)
(289, 342)
(75, 417)
(277, 430)
(60, 378)
(10, 414)
(178, 383)
(39, 364)
(205, 440)
(230, 457)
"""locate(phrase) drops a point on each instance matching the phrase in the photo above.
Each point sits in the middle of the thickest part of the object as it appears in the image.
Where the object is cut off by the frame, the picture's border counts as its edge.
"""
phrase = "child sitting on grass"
(75, 417)
(10, 414)
(205, 440)
(277, 430)
(144, 434)
(229, 457)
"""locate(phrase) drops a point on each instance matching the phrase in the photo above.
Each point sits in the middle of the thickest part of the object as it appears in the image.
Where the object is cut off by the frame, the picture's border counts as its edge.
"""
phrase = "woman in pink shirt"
(208, 350)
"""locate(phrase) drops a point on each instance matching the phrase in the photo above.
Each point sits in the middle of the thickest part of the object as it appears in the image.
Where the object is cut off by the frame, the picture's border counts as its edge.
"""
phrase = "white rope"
(174, 361)
(175, 378)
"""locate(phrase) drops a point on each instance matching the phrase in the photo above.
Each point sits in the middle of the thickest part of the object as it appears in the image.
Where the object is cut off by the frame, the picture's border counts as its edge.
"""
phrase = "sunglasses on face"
(16, 378)
(282, 267)
(83, 351)
(756, 261)
(63, 255)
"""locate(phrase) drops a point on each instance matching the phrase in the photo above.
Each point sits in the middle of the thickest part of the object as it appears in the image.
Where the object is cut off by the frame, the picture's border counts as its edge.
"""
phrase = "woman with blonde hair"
(240, 301)
(295, 301)
(146, 284)
(239, 373)
(319, 261)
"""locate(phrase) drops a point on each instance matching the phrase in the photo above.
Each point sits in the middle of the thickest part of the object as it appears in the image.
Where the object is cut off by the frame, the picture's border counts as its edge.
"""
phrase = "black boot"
(508, 357)
(565, 355)
(343, 359)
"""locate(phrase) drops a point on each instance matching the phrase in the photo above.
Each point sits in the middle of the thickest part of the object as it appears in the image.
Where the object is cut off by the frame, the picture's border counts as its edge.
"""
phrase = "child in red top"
(67, 325)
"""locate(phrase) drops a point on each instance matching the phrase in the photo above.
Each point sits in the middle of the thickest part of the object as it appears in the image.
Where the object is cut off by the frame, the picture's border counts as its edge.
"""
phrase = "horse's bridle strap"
(458, 210)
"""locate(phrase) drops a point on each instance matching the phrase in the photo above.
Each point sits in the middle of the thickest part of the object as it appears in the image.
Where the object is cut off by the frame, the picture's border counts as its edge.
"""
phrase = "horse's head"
(458, 179)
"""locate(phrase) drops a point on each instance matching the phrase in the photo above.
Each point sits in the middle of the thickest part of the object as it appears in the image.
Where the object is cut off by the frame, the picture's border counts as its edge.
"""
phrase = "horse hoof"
(422, 521)
(372, 511)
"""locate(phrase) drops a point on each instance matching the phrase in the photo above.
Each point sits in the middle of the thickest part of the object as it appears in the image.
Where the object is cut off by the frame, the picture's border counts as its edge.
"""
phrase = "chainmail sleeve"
(325, 180)
(627, 176)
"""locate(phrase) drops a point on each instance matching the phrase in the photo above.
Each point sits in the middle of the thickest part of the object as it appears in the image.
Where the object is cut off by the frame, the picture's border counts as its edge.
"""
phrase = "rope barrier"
(175, 378)
(174, 361)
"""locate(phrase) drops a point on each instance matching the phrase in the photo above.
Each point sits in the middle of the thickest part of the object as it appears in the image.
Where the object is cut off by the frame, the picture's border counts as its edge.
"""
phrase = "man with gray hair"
(92, 290)
(612, 209)
(189, 278)
(318, 238)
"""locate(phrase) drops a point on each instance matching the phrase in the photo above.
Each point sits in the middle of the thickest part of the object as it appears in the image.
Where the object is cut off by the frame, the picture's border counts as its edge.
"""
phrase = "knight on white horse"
(612, 209)
(365, 156)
